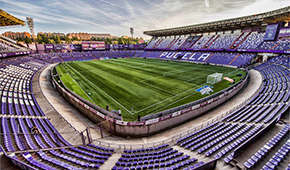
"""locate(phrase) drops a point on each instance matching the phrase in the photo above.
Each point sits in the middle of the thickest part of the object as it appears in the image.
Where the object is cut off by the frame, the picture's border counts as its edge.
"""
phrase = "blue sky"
(117, 16)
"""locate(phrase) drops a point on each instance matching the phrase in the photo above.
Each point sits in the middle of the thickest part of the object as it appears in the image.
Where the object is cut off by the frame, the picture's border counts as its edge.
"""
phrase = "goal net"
(214, 78)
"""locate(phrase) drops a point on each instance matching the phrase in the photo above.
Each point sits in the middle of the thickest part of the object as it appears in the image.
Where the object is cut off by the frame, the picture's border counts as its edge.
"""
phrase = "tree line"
(55, 39)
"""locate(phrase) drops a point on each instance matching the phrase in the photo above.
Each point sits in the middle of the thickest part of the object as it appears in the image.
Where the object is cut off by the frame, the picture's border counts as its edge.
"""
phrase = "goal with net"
(214, 78)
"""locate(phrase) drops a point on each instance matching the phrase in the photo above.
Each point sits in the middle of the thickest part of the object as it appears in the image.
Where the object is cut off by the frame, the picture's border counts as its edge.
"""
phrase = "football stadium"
(213, 95)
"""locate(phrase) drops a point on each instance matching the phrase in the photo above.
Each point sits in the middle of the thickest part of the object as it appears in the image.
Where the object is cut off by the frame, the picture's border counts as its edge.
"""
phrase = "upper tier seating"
(245, 40)
(152, 43)
(164, 43)
(7, 48)
(189, 42)
(178, 42)
(9, 45)
(224, 41)
(252, 41)
(203, 41)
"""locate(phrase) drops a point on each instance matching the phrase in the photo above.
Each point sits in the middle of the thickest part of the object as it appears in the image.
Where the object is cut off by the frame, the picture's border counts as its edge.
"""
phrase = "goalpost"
(214, 78)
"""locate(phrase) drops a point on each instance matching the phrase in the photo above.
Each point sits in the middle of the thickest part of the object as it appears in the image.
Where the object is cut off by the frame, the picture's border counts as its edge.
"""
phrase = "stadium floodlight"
(30, 24)
(132, 33)
(214, 78)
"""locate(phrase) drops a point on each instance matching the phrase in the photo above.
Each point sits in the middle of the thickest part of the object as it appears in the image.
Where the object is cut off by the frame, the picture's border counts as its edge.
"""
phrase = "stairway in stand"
(201, 157)
(110, 163)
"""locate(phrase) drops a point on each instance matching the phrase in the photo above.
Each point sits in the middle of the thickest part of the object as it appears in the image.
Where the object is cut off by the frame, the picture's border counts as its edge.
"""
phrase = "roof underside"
(9, 20)
(251, 21)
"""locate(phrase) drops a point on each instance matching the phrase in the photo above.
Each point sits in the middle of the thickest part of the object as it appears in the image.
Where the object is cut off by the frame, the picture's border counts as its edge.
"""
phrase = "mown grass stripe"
(105, 93)
(147, 85)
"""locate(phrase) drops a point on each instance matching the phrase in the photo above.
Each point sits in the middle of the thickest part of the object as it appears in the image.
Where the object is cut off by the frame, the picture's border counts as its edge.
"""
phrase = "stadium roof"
(7, 19)
(258, 20)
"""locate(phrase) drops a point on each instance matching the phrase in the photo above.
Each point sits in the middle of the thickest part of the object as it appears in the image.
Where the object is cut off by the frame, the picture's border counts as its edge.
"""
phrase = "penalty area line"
(103, 92)
(78, 85)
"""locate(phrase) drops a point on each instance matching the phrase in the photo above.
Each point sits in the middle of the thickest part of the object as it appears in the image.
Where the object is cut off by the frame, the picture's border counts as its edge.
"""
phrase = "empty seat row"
(253, 160)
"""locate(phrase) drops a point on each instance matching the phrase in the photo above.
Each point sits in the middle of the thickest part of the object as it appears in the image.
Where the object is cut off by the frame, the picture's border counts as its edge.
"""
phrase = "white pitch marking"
(193, 79)
(79, 85)
(142, 81)
(175, 102)
(158, 88)
(176, 95)
(144, 65)
(167, 99)
(103, 92)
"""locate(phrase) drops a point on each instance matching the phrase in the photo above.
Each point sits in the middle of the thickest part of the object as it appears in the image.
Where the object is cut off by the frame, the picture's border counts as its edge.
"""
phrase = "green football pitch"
(140, 86)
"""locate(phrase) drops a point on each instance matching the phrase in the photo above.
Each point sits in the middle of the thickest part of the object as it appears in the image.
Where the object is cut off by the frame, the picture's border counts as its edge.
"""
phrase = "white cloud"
(263, 6)
(117, 16)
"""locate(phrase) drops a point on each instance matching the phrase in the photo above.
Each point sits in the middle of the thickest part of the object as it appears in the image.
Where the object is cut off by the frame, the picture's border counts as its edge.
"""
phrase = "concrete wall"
(147, 130)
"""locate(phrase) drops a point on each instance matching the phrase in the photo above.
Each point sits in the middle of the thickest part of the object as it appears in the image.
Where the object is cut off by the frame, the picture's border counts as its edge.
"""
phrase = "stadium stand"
(65, 56)
(157, 157)
(220, 58)
(216, 140)
(275, 45)
(252, 41)
(7, 46)
(272, 98)
(241, 41)
(222, 137)
(43, 56)
(274, 161)
(164, 43)
(178, 42)
(46, 148)
(88, 55)
(97, 54)
(152, 43)
(189, 42)
(77, 56)
(224, 41)
(55, 57)
(203, 41)
(18, 101)
(282, 60)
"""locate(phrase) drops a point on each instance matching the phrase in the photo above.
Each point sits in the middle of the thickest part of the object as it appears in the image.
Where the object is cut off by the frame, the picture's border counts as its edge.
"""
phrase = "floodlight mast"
(30, 24)
(132, 33)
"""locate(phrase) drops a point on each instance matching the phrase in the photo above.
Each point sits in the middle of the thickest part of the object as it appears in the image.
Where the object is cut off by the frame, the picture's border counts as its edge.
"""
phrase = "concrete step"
(221, 165)
(6, 164)
(110, 163)
(200, 157)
